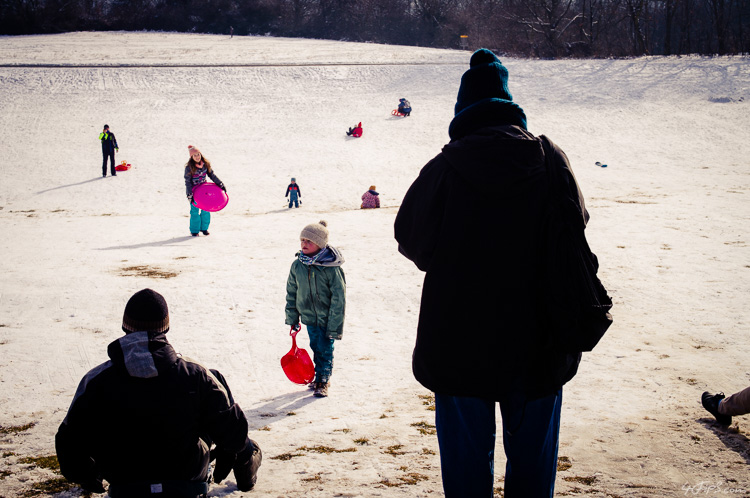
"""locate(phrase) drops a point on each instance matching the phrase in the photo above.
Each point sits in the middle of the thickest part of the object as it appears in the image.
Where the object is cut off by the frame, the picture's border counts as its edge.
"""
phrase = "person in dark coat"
(480, 337)
(146, 419)
(109, 146)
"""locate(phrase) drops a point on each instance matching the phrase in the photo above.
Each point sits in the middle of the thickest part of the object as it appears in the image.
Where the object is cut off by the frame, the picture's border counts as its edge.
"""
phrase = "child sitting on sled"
(355, 131)
(404, 107)
(370, 199)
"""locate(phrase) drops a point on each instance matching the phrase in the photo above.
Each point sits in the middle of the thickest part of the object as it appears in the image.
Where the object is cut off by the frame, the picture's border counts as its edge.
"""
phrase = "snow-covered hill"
(670, 217)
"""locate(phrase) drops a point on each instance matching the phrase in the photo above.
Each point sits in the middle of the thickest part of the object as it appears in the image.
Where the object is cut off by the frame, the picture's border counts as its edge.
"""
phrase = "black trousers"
(111, 156)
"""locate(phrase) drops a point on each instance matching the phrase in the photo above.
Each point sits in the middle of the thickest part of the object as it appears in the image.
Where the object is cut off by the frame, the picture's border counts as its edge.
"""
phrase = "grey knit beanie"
(317, 233)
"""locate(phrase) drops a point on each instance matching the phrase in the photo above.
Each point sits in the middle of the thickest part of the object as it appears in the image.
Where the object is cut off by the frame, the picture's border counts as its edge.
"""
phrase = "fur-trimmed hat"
(146, 311)
(317, 233)
(486, 78)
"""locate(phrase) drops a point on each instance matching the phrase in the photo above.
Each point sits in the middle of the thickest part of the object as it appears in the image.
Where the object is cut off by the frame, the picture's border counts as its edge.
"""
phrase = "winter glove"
(224, 463)
(117, 149)
(222, 187)
(93, 486)
(296, 328)
(190, 198)
(246, 466)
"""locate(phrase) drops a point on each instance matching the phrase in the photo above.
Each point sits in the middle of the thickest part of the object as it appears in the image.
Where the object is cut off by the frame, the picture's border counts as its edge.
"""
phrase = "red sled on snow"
(297, 364)
(123, 166)
(396, 112)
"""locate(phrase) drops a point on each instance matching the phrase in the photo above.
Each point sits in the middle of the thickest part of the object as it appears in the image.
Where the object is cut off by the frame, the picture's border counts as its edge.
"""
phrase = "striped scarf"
(307, 260)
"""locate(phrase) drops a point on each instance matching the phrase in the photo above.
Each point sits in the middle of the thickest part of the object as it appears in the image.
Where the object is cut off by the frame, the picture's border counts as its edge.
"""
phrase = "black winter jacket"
(147, 415)
(479, 331)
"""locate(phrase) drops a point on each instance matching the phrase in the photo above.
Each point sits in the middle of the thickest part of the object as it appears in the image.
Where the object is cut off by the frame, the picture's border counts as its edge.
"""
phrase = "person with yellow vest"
(109, 146)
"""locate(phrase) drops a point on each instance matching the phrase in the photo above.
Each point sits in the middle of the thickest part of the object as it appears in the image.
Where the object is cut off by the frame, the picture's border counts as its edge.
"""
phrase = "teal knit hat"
(486, 78)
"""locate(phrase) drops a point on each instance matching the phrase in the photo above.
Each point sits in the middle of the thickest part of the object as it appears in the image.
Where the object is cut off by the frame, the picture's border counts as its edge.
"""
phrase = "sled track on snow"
(250, 64)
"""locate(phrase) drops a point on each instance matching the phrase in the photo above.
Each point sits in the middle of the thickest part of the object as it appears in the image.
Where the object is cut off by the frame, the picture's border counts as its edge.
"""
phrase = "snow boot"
(321, 391)
(711, 404)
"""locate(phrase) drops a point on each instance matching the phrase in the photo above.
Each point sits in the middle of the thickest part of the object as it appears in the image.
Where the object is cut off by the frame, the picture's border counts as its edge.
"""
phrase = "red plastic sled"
(297, 364)
(396, 113)
(209, 197)
(123, 166)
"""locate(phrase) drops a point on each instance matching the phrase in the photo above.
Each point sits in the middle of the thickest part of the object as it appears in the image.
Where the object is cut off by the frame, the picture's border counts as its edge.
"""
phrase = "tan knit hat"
(317, 233)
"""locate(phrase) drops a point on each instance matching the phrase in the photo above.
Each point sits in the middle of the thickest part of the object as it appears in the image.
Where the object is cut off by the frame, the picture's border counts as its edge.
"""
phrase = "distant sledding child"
(355, 131)
(294, 193)
(196, 170)
(370, 199)
(404, 107)
(109, 146)
(316, 295)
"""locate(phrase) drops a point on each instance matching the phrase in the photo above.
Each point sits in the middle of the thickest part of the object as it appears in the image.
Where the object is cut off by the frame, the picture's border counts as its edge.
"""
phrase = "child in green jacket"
(316, 294)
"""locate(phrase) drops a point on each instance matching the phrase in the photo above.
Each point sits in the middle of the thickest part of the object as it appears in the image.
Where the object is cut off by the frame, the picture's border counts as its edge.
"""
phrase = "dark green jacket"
(316, 293)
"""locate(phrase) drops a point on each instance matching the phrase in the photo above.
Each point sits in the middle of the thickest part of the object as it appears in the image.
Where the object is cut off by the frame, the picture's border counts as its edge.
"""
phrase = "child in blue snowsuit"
(196, 170)
(404, 107)
(293, 192)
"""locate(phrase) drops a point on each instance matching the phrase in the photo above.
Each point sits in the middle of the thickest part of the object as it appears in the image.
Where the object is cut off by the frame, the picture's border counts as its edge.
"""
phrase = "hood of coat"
(142, 354)
(373, 192)
(497, 158)
(328, 256)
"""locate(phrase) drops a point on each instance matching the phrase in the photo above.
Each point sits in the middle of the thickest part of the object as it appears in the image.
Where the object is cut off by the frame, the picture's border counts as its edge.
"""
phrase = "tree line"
(531, 28)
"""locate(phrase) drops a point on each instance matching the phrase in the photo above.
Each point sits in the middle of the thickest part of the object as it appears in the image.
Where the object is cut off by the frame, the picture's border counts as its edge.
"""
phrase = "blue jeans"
(466, 437)
(322, 347)
(199, 220)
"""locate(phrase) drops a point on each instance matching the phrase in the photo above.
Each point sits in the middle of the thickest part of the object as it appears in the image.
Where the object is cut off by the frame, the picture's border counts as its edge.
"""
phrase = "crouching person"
(146, 420)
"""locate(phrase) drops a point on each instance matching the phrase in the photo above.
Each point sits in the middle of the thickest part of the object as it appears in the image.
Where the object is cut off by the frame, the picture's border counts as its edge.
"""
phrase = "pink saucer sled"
(209, 197)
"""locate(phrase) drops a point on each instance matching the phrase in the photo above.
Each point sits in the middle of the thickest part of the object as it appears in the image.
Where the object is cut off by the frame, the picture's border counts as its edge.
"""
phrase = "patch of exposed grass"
(7, 454)
(48, 487)
(285, 456)
(428, 400)
(4, 474)
(424, 428)
(427, 451)
(44, 462)
(147, 271)
(362, 441)
(325, 449)
(344, 430)
(395, 450)
(498, 491)
(265, 428)
(15, 429)
(563, 463)
(315, 478)
(384, 416)
(291, 414)
(409, 479)
(587, 480)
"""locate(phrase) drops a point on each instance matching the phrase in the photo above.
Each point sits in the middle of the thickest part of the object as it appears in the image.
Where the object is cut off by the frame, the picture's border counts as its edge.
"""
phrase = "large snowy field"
(670, 222)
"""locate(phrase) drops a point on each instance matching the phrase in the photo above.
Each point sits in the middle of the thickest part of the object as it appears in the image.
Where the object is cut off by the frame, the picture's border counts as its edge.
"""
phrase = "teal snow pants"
(199, 220)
